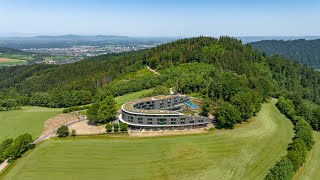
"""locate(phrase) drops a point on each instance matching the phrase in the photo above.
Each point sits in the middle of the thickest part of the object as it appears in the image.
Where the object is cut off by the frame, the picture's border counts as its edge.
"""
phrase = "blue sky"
(162, 17)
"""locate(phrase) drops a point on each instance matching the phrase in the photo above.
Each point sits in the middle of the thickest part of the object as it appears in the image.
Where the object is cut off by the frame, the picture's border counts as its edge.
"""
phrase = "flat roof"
(128, 107)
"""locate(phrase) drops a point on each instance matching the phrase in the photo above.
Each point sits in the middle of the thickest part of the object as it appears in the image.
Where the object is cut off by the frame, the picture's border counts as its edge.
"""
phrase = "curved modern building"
(161, 111)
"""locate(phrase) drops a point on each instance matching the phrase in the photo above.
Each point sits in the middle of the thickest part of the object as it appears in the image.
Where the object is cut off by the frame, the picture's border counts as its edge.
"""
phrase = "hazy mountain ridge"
(301, 50)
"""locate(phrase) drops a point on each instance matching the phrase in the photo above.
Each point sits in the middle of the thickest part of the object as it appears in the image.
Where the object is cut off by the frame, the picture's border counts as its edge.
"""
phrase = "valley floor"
(247, 152)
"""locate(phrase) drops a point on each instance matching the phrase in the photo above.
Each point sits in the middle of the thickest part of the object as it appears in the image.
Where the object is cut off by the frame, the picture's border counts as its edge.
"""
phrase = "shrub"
(282, 170)
(63, 131)
(18, 146)
(4, 145)
(109, 127)
(115, 127)
(123, 127)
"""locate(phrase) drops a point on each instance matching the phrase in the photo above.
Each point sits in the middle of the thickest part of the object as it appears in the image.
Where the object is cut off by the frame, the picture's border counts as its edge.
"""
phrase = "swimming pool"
(190, 104)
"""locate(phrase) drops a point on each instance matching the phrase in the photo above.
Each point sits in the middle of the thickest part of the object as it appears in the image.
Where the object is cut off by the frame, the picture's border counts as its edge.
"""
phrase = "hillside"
(218, 69)
(233, 79)
(304, 51)
(246, 152)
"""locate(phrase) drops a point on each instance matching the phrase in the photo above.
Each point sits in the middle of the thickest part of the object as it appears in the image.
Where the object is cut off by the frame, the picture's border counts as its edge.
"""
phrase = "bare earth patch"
(151, 133)
(4, 60)
(57, 121)
(82, 128)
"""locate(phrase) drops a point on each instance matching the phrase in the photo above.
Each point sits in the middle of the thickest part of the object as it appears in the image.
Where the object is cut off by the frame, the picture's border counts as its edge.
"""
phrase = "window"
(150, 121)
(130, 119)
(161, 121)
(191, 122)
(140, 120)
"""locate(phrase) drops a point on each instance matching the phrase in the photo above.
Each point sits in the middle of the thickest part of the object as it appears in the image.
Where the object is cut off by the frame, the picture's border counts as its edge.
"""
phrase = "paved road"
(44, 137)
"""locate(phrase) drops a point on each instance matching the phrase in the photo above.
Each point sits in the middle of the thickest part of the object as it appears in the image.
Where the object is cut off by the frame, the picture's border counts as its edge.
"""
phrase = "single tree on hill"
(63, 131)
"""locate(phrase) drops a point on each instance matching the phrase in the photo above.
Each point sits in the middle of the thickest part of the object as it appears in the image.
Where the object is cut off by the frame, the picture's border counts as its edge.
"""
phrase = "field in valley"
(11, 62)
(247, 152)
(29, 119)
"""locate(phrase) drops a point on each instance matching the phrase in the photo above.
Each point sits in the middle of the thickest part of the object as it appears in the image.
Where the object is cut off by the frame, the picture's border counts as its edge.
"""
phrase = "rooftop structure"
(161, 111)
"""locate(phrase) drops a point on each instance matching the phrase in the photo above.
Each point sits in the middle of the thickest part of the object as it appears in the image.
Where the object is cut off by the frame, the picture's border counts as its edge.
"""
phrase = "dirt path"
(82, 128)
(152, 70)
(57, 121)
(3, 165)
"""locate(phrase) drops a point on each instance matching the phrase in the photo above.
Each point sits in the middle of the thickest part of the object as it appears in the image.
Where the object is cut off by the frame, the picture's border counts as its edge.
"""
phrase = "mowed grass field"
(246, 152)
(10, 62)
(311, 169)
(29, 119)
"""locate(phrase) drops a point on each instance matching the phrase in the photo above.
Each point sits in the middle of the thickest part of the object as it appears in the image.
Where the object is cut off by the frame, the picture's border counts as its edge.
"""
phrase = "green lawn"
(130, 96)
(246, 152)
(311, 169)
(27, 120)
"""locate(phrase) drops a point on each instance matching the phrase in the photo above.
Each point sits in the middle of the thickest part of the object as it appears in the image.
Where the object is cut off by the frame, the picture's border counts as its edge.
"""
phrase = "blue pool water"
(190, 104)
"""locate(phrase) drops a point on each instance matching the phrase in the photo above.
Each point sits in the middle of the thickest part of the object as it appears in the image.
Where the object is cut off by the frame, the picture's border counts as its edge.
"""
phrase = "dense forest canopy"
(6, 50)
(304, 51)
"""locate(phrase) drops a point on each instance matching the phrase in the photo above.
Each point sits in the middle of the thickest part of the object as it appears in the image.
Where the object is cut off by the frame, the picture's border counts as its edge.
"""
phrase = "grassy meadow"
(246, 152)
(310, 170)
(29, 119)
(11, 62)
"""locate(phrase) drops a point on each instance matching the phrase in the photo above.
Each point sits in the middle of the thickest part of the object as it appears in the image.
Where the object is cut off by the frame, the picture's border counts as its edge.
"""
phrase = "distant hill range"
(75, 40)
(250, 39)
(304, 51)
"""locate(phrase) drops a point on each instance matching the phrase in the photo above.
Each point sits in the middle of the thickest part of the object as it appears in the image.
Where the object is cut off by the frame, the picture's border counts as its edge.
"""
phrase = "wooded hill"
(304, 51)
(222, 70)
(6, 50)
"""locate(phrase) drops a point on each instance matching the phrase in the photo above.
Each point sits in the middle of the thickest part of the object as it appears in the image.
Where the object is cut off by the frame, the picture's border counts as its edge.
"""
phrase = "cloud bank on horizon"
(162, 17)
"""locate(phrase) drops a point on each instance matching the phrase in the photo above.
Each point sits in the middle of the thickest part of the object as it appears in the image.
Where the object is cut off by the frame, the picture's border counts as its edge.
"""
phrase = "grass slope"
(27, 120)
(130, 97)
(246, 152)
(310, 169)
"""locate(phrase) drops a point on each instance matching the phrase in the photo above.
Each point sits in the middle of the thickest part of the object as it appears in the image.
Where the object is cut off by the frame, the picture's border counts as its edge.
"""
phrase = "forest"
(303, 51)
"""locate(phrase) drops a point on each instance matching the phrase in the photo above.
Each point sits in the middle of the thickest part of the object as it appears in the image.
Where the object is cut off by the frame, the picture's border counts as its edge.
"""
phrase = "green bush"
(18, 146)
(115, 127)
(109, 127)
(4, 145)
(283, 170)
(123, 127)
(63, 131)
